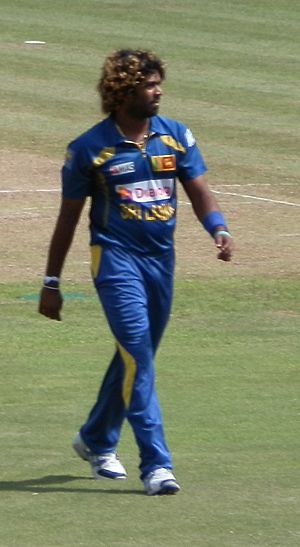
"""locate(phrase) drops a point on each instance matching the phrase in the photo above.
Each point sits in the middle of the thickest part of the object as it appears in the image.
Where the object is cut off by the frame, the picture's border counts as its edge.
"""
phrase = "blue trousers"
(136, 293)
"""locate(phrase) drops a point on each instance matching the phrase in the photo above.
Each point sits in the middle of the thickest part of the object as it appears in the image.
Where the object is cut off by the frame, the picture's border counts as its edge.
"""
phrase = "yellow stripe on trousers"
(128, 360)
(96, 252)
(129, 374)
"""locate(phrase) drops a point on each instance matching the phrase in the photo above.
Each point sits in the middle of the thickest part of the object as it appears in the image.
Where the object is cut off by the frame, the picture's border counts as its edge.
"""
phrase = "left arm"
(204, 203)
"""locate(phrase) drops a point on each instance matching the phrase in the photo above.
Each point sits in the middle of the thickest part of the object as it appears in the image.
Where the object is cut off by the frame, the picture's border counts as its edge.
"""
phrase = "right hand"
(225, 246)
(51, 302)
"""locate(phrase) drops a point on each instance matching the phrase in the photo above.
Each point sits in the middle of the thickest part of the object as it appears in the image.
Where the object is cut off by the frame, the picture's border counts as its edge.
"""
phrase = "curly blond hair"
(122, 71)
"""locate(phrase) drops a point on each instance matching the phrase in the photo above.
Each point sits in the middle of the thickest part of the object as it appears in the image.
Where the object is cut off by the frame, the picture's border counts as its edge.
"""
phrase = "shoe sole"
(107, 475)
(167, 489)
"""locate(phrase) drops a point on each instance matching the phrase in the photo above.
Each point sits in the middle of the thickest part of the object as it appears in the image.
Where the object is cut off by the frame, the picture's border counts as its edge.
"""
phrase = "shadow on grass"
(52, 484)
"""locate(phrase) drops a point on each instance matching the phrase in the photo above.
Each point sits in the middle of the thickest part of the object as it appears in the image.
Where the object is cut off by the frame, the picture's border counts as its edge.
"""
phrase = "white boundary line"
(257, 198)
(25, 191)
(235, 194)
(246, 196)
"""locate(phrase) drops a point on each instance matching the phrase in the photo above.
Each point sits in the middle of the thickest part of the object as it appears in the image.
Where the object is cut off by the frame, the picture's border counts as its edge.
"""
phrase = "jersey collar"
(155, 127)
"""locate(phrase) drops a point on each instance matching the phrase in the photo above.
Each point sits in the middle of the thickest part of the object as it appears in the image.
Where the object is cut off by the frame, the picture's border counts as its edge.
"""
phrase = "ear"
(129, 96)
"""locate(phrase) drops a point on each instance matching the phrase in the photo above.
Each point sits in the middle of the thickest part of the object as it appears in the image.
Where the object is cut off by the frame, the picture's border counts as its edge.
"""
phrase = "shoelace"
(106, 457)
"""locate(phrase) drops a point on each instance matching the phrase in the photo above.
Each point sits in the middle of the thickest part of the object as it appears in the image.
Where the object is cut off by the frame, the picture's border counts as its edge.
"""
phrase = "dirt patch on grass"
(266, 231)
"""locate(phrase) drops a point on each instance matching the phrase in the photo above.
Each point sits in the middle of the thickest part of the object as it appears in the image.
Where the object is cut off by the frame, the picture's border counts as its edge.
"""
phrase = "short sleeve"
(76, 176)
(191, 162)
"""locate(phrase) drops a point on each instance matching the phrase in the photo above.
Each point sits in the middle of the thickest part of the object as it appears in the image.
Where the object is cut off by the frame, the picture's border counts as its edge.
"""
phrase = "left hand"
(225, 245)
(50, 303)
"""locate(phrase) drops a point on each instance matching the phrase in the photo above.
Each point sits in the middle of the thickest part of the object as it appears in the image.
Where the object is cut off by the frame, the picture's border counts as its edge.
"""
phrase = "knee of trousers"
(138, 375)
(137, 355)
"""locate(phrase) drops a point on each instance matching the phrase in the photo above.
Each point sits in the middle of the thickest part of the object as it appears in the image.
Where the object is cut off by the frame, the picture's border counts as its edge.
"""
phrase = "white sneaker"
(103, 465)
(107, 466)
(160, 481)
(80, 447)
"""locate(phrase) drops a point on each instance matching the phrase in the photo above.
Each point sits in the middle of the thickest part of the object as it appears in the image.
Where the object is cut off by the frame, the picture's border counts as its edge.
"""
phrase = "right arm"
(50, 298)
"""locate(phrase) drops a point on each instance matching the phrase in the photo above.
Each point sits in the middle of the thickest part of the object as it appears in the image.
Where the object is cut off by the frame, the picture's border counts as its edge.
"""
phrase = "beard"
(142, 111)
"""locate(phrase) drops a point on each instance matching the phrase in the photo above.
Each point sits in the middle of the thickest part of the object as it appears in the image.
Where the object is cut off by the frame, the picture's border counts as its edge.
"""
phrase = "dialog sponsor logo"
(146, 190)
(122, 168)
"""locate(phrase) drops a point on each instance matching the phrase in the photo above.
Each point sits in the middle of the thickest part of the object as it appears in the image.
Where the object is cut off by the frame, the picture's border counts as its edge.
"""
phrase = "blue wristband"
(212, 220)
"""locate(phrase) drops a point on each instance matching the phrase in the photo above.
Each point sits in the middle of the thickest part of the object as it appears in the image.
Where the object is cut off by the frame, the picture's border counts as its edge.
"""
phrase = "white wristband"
(51, 288)
(222, 233)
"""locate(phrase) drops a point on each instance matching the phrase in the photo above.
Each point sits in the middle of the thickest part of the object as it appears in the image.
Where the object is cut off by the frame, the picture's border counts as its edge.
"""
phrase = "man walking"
(128, 165)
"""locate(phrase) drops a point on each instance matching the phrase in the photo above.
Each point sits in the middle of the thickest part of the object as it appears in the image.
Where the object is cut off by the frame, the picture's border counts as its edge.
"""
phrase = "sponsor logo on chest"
(122, 168)
(146, 190)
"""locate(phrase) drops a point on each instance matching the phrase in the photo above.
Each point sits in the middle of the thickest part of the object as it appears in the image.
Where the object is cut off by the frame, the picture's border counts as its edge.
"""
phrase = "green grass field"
(228, 367)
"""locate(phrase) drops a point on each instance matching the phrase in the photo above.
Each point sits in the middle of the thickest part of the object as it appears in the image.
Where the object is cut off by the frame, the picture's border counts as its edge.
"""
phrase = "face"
(144, 102)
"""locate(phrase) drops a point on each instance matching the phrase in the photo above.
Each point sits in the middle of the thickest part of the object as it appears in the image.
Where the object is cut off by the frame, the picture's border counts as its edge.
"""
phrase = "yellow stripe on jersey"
(169, 141)
(96, 252)
(104, 155)
(129, 374)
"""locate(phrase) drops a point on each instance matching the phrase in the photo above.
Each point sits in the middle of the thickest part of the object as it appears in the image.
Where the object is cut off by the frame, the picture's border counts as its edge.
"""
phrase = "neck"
(133, 129)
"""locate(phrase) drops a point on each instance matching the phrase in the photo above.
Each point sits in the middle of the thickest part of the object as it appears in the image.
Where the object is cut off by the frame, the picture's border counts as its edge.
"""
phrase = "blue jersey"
(132, 187)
